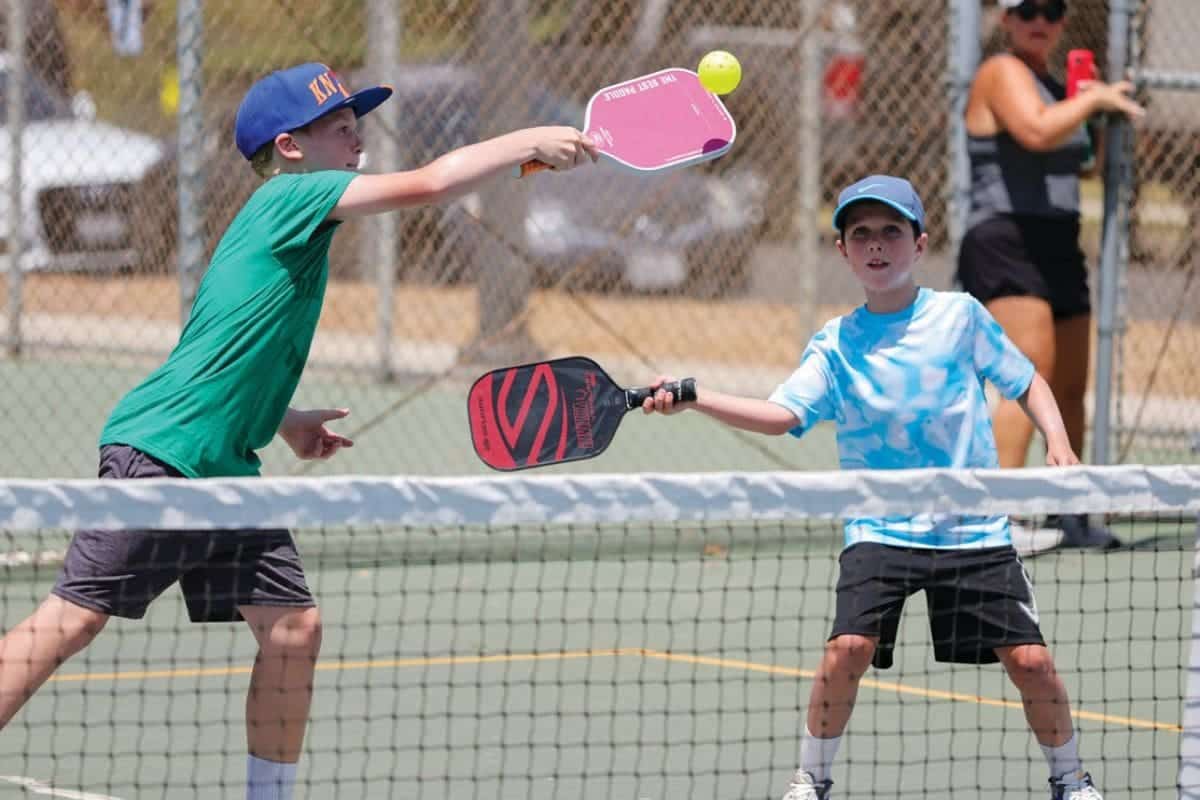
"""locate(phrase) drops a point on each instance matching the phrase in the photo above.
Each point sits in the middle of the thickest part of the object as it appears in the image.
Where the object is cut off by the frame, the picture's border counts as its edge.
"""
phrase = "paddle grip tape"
(683, 391)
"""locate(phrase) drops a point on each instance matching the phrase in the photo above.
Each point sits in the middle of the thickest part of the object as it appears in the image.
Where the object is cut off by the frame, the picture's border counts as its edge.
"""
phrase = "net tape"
(353, 501)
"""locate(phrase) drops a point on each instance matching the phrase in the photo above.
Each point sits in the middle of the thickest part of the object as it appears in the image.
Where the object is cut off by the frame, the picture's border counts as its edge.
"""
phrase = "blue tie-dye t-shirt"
(906, 391)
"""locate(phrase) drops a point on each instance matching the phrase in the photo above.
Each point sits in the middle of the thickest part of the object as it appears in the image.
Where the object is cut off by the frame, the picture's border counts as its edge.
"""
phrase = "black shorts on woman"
(1013, 255)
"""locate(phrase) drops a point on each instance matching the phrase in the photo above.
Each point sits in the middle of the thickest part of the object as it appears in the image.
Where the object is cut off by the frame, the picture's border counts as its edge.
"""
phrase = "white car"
(78, 182)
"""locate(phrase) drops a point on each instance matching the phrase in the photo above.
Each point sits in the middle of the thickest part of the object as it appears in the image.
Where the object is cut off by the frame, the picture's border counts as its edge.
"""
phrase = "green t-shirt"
(226, 386)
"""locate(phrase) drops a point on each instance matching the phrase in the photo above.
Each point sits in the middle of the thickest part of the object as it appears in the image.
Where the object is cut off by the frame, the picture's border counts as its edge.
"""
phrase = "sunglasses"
(1052, 11)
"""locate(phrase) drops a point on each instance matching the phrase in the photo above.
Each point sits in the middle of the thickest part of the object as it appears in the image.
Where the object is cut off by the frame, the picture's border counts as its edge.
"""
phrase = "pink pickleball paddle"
(656, 122)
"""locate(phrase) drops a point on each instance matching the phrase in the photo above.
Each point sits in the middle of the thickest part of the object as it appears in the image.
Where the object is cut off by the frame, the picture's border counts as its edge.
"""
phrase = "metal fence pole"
(1167, 79)
(1189, 742)
(16, 129)
(380, 245)
(809, 156)
(1115, 241)
(189, 58)
(506, 281)
(966, 20)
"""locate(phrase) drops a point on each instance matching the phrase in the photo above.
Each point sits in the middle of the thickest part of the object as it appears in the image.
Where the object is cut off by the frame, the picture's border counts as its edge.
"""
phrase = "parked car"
(692, 229)
(79, 179)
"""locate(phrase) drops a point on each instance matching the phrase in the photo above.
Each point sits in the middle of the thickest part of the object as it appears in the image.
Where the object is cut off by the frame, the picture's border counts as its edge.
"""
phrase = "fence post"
(1114, 244)
(380, 230)
(505, 281)
(966, 22)
(189, 63)
(809, 156)
(1189, 743)
(16, 128)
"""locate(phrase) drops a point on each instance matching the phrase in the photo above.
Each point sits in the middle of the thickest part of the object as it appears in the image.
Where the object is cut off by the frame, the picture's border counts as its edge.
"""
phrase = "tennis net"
(608, 636)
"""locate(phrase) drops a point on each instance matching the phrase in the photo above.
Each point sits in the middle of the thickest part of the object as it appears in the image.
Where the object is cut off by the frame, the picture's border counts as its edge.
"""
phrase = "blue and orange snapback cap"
(292, 98)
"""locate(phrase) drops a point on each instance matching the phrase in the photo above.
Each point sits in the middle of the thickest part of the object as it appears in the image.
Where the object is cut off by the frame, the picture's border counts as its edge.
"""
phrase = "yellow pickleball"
(168, 92)
(720, 72)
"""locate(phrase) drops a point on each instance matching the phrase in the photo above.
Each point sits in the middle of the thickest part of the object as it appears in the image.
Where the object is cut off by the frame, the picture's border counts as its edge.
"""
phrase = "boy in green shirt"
(223, 393)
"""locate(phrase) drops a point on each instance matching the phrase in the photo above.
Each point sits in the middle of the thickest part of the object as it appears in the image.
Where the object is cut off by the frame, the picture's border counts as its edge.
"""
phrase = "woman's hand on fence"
(1112, 97)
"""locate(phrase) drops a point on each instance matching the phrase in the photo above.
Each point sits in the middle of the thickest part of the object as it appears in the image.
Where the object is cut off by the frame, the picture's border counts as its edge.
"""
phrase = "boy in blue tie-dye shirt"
(902, 377)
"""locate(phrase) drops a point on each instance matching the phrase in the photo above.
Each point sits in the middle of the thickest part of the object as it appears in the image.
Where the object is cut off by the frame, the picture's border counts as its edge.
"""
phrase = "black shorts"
(121, 572)
(978, 599)
(1021, 256)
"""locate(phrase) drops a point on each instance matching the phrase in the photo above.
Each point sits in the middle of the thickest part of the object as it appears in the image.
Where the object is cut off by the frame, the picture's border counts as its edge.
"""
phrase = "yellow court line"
(686, 658)
(901, 688)
(344, 666)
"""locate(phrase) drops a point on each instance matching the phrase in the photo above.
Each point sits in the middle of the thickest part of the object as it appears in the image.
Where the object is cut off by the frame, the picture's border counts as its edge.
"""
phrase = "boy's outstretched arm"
(747, 413)
(461, 171)
(1041, 407)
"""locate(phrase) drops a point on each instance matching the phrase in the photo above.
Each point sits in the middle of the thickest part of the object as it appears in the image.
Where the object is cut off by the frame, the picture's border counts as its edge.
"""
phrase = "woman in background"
(1028, 145)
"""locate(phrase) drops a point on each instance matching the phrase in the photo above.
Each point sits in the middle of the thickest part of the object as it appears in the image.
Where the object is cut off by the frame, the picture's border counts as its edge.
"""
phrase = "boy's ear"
(287, 146)
(922, 242)
(841, 245)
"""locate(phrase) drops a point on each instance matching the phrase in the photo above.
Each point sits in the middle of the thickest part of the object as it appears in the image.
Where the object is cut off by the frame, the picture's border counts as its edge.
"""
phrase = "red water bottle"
(1081, 66)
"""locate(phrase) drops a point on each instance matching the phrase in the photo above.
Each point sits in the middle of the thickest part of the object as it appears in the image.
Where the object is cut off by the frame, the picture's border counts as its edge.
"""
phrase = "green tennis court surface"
(52, 425)
(456, 666)
(598, 668)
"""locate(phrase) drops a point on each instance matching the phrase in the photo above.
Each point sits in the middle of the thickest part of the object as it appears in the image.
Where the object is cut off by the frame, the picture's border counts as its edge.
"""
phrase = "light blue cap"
(887, 189)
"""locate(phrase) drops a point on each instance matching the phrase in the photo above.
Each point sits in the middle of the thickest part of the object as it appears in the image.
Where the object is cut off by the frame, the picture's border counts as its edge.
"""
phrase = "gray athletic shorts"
(121, 572)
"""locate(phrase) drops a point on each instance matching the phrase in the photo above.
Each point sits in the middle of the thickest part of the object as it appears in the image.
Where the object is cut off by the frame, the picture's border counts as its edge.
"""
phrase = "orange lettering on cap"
(315, 88)
(329, 84)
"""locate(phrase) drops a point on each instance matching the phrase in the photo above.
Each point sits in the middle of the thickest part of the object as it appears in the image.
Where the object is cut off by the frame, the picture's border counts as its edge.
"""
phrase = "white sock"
(269, 780)
(1064, 758)
(816, 755)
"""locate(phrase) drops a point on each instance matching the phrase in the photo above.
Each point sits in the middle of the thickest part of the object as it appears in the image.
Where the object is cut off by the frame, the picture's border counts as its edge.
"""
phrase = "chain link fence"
(721, 270)
(1158, 375)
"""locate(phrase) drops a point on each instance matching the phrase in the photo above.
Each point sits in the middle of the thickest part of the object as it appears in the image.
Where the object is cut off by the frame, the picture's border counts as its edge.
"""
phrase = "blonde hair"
(263, 160)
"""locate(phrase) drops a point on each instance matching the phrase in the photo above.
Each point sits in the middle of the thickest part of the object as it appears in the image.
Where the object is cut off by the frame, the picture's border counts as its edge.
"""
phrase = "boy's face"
(881, 248)
(331, 142)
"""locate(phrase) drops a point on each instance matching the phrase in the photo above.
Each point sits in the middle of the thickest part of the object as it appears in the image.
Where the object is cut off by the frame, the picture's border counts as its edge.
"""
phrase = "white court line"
(34, 786)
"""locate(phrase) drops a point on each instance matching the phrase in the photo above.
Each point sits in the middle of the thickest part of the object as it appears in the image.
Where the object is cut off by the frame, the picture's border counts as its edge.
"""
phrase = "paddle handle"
(530, 167)
(683, 391)
(534, 165)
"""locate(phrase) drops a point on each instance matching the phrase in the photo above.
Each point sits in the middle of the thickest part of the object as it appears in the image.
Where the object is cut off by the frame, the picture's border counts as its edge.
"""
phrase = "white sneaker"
(1074, 786)
(805, 787)
(1030, 540)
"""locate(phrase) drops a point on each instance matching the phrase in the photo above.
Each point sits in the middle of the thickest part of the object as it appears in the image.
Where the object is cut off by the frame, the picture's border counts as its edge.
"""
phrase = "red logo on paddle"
(540, 406)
